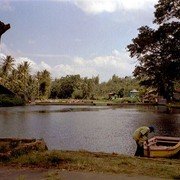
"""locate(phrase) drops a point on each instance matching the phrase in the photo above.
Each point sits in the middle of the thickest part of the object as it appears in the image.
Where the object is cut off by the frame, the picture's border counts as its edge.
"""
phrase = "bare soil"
(13, 173)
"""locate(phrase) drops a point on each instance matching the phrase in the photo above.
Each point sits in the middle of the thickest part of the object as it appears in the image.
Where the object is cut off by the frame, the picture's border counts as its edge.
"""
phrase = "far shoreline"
(100, 103)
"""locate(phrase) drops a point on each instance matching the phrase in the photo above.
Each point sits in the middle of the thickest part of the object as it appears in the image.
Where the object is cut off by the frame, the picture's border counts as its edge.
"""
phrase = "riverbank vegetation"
(99, 162)
(7, 100)
(40, 86)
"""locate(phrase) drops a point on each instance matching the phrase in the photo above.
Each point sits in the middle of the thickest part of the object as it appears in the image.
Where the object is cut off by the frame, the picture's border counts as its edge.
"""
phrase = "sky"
(69, 37)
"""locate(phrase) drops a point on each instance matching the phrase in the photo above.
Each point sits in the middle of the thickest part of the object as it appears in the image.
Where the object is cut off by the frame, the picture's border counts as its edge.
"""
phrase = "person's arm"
(146, 136)
(147, 144)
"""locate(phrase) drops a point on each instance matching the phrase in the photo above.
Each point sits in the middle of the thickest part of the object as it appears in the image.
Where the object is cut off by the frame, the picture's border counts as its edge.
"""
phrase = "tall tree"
(157, 50)
(166, 10)
(44, 84)
(23, 71)
(5, 70)
(68, 85)
(7, 65)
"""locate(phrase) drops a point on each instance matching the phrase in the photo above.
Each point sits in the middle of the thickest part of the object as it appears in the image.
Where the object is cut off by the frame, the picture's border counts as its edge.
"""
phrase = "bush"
(7, 100)
(77, 94)
(127, 100)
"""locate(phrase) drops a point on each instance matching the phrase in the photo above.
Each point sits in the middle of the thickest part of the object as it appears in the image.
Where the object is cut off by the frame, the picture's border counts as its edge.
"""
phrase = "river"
(92, 128)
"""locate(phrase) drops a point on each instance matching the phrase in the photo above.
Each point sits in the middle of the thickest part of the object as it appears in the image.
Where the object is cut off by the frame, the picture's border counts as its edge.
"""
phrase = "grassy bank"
(99, 162)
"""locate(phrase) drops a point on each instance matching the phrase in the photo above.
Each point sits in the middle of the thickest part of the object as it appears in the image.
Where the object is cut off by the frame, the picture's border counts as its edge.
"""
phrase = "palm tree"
(6, 68)
(13, 83)
(7, 65)
(44, 79)
(23, 75)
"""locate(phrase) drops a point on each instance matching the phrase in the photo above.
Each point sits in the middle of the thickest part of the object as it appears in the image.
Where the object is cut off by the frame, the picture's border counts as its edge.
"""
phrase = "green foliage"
(54, 157)
(68, 85)
(18, 79)
(44, 84)
(120, 93)
(77, 94)
(165, 10)
(40, 86)
(157, 51)
(7, 66)
(89, 88)
(127, 100)
(48, 158)
(6, 100)
(120, 86)
(73, 86)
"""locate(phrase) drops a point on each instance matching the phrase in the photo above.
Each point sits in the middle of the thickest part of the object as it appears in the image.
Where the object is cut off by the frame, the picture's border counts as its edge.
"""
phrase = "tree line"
(20, 81)
(41, 86)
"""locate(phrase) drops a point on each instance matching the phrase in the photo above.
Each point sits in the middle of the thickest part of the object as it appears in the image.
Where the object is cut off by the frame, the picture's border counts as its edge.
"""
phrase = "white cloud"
(5, 5)
(5, 49)
(137, 4)
(117, 63)
(96, 6)
(34, 67)
(31, 41)
(99, 6)
(44, 65)
(79, 61)
(105, 66)
(2, 56)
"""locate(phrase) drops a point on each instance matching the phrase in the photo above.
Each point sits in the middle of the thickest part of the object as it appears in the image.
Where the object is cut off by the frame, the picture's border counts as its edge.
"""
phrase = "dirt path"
(10, 173)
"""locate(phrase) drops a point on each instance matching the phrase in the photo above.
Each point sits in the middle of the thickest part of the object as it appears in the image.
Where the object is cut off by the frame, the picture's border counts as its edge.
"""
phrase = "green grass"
(100, 162)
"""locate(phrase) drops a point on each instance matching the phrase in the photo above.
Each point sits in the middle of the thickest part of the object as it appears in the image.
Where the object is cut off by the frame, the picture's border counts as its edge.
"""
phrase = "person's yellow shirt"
(141, 134)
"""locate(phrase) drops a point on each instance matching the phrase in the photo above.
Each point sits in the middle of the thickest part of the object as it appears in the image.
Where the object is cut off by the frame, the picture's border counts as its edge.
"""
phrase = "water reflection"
(167, 110)
(168, 125)
(73, 109)
(92, 128)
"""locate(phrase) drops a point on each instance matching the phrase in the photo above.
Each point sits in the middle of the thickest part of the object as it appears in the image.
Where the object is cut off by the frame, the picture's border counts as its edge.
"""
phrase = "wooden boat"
(162, 146)
(17, 146)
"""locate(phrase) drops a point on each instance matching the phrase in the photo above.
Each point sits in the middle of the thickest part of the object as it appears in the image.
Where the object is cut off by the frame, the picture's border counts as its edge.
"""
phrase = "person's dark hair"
(151, 128)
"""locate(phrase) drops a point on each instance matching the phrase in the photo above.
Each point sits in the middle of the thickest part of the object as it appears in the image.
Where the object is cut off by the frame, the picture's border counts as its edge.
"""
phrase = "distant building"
(134, 93)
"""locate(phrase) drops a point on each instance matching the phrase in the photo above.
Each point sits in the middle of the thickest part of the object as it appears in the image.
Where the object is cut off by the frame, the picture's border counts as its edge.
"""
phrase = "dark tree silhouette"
(158, 50)
(3, 28)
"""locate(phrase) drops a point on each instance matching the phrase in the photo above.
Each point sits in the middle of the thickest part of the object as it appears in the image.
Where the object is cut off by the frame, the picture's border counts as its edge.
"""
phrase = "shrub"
(127, 100)
(7, 100)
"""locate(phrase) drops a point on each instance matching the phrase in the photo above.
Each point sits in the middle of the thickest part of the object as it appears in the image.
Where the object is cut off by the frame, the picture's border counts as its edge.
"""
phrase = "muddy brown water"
(91, 128)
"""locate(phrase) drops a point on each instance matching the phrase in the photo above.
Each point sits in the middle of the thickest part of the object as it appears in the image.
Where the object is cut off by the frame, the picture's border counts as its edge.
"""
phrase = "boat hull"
(162, 147)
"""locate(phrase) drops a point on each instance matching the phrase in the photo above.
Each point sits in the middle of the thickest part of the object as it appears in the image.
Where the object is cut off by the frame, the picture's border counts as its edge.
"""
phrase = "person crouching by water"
(140, 136)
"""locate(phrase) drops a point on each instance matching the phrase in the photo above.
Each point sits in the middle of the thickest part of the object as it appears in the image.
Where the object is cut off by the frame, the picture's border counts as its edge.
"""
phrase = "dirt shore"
(12, 173)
